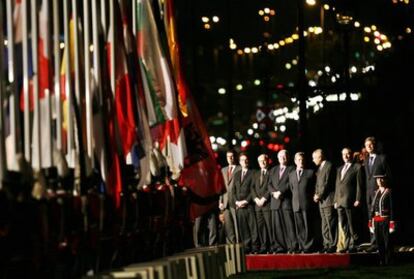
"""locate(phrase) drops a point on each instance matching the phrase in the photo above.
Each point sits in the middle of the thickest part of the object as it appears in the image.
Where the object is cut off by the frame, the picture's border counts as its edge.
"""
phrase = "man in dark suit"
(227, 202)
(242, 193)
(324, 195)
(283, 225)
(302, 183)
(349, 180)
(261, 198)
(374, 163)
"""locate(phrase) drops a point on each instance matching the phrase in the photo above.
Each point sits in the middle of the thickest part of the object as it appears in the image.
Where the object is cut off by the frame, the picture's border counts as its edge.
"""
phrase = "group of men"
(270, 210)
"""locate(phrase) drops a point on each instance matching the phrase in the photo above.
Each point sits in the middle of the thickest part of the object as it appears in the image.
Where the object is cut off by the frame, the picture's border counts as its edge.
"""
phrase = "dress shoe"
(352, 250)
(330, 250)
(372, 249)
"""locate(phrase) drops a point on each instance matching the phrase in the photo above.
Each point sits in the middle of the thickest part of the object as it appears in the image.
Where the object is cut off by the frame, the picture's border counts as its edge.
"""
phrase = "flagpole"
(26, 113)
(56, 54)
(88, 97)
(14, 97)
(3, 163)
(35, 80)
(112, 45)
(46, 127)
(68, 86)
(76, 48)
(103, 17)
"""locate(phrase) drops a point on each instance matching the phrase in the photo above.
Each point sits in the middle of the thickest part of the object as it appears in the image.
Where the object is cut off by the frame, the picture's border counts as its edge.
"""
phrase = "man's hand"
(336, 205)
(356, 203)
(316, 198)
(221, 206)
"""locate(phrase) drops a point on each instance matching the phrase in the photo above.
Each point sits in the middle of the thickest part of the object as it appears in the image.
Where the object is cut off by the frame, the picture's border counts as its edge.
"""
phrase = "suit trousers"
(205, 230)
(303, 230)
(264, 228)
(230, 226)
(345, 218)
(248, 229)
(279, 230)
(329, 226)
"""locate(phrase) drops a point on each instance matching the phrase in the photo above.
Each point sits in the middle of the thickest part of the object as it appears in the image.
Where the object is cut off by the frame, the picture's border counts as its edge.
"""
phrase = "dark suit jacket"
(302, 190)
(242, 190)
(280, 184)
(261, 190)
(348, 190)
(380, 166)
(325, 184)
(227, 198)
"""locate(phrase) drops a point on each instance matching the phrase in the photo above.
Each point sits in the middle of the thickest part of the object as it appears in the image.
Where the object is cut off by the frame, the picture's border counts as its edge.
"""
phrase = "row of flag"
(97, 86)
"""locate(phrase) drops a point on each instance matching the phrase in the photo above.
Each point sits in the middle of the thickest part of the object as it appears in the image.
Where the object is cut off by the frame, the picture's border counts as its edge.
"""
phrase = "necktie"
(229, 171)
(243, 174)
(344, 169)
(262, 174)
(299, 174)
(371, 162)
(281, 170)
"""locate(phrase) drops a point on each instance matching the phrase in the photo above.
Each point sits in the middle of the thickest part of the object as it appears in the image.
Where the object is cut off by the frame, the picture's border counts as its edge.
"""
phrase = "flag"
(159, 88)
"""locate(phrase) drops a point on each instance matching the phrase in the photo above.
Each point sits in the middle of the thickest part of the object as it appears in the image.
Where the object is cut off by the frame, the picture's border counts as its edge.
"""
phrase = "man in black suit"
(349, 180)
(261, 198)
(242, 193)
(324, 195)
(302, 183)
(374, 163)
(283, 225)
(227, 202)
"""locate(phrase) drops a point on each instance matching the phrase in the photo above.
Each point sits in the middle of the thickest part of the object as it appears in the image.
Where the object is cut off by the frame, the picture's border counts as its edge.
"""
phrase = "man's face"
(299, 161)
(282, 158)
(380, 182)
(230, 158)
(262, 161)
(346, 155)
(369, 146)
(317, 158)
(244, 161)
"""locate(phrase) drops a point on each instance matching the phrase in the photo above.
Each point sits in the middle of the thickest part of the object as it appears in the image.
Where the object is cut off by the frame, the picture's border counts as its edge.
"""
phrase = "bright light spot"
(333, 79)
(407, 2)
(312, 83)
(318, 30)
(373, 27)
(205, 19)
(386, 45)
(255, 125)
(266, 18)
(294, 62)
(216, 19)
(377, 41)
(276, 45)
(275, 128)
(289, 40)
(311, 29)
(5, 42)
(282, 128)
(250, 132)
(353, 69)
(247, 50)
(311, 2)
(295, 36)
(62, 45)
(357, 24)
(281, 42)
(267, 10)
(214, 146)
(233, 46)
(244, 143)
(91, 48)
(377, 34)
(320, 73)
(288, 66)
(222, 91)
(255, 50)
(327, 69)
(212, 139)
(256, 135)
(355, 96)
(239, 87)
(270, 47)
(234, 141)
(366, 39)
(367, 29)
(261, 13)
(380, 48)
(272, 12)
(305, 33)
(383, 37)
(257, 82)
(342, 97)
(240, 52)
(408, 30)
(332, 98)
(221, 141)
(207, 26)
(326, 7)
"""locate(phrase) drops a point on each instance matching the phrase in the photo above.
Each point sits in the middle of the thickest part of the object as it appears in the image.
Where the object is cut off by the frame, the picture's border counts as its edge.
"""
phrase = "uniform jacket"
(385, 205)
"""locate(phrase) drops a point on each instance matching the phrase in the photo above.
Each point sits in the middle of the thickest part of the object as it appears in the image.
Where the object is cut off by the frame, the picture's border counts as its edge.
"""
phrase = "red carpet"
(296, 261)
